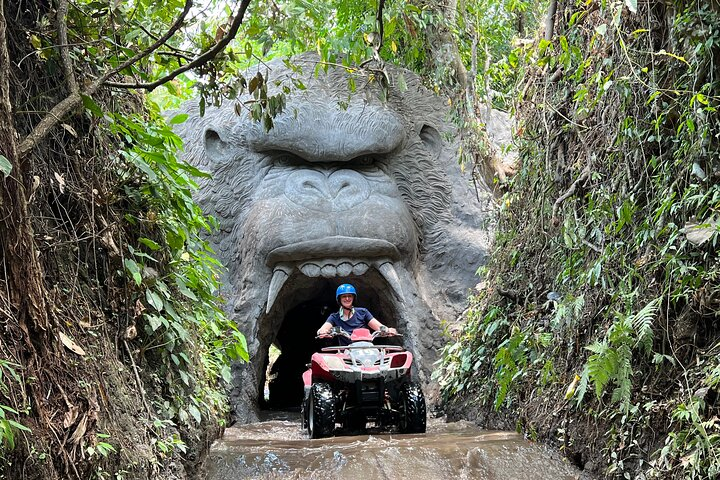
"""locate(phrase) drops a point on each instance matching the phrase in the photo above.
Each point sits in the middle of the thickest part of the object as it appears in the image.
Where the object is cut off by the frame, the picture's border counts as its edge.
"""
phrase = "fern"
(582, 385)
(601, 366)
(611, 362)
(642, 324)
(510, 362)
(622, 377)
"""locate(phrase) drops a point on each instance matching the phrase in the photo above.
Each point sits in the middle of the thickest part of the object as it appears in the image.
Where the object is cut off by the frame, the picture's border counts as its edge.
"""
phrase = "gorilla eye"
(286, 159)
(364, 161)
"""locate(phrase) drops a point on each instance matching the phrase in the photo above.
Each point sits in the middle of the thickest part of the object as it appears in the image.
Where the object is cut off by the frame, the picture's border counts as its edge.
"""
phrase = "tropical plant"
(607, 240)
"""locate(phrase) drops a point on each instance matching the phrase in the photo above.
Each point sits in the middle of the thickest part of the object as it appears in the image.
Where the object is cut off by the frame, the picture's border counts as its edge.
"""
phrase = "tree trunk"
(20, 256)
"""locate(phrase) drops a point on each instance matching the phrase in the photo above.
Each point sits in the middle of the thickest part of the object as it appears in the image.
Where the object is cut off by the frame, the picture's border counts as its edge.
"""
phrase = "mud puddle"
(278, 448)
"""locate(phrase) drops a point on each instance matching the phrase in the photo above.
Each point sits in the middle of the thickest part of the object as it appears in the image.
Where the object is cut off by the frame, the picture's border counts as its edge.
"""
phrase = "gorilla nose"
(334, 191)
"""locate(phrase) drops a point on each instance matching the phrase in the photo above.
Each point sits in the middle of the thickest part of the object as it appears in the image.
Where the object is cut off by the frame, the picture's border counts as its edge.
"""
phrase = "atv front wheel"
(412, 409)
(304, 408)
(321, 411)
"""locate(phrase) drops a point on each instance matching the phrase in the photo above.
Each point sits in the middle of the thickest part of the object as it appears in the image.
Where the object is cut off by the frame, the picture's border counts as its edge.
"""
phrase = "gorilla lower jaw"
(333, 257)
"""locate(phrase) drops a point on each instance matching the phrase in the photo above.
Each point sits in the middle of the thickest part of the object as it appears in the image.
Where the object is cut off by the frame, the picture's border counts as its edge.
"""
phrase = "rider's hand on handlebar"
(388, 331)
(330, 333)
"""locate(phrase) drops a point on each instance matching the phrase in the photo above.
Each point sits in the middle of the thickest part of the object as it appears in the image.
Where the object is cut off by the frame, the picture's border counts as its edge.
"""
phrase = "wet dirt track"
(278, 448)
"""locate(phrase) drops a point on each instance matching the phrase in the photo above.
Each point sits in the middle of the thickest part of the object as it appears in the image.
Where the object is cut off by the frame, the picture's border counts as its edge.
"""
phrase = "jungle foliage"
(596, 325)
(115, 350)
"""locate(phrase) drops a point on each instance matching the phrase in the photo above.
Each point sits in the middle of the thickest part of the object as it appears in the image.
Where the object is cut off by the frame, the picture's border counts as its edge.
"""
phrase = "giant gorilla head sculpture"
(345, 188)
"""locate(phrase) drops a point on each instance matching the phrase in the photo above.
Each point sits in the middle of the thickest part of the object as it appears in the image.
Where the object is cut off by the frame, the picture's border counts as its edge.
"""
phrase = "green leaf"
(90, 105)
(564, 43)
(154, 299)
(239, 348)
(543, 45)
(632, 5)
(226, 374)
(195, 413)
(181, 331)
(5, 165)
(179, 118)
(402, 84)
(19, 426)
(154, 321)
(184, 289)
(144, 167)
(5, 408)
(184, 377)
(132, 267)
(149, 243)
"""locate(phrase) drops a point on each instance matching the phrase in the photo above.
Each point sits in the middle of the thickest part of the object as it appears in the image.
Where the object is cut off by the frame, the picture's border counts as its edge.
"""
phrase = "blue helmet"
(344, 289)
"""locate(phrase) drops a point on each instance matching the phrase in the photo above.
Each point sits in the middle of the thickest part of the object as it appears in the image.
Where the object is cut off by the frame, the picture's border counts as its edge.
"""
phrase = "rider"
(350, 317)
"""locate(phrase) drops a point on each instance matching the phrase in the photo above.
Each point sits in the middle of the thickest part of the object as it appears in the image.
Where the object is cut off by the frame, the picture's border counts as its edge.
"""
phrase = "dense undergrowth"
(597, 324)
(127, 379)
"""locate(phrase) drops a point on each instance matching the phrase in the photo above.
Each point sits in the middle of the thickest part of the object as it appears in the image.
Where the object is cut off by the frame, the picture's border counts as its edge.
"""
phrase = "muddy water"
(277, 448)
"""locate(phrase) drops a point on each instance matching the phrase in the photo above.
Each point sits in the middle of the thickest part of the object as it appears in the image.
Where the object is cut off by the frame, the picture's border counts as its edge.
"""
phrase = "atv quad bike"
(361, 382)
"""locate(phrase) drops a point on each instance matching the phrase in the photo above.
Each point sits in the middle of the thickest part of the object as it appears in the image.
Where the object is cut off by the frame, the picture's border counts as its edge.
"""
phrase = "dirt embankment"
(86, 398)
(596, 327)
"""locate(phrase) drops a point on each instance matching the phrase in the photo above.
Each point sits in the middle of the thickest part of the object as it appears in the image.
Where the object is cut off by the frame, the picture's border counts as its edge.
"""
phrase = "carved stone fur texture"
(348, 186)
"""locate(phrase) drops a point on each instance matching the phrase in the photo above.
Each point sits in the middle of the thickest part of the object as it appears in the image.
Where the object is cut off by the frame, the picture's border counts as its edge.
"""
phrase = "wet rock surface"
(278, 448)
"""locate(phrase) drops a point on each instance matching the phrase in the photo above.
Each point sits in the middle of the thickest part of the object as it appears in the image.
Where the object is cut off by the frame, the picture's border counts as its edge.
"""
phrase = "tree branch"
(63, 46)
(74, 99)
(158, 43)
(25, 279)
(380, 27)
(377, 44)
(198, 61)
(570, 191)
(550, 20)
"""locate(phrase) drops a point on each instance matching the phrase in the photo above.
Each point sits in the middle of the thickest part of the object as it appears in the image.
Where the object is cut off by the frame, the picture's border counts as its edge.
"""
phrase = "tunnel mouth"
(302, 306)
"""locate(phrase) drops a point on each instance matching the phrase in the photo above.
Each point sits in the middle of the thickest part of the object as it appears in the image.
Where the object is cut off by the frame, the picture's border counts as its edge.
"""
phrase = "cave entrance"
(302, 307)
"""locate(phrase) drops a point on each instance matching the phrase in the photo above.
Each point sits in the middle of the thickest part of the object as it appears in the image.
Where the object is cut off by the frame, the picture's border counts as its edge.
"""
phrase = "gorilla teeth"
(333, 268)
(360, 268)
(310, 270)
(328, 271)
(344, 269)
(280, 275)
(388, 272)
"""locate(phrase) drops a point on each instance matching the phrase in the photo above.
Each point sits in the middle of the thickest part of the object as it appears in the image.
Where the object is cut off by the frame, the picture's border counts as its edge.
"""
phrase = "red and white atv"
(361, 382)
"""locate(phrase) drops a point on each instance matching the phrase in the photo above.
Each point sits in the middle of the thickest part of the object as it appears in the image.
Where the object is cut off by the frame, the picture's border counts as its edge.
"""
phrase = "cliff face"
(596, 328)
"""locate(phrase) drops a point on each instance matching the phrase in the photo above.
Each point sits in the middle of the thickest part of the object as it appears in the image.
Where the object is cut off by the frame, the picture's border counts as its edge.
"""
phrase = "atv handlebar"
(339, 332)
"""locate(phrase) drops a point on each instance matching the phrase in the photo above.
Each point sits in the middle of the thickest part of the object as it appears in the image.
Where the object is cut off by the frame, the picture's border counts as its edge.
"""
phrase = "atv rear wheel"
(321, 411)
(413, 416)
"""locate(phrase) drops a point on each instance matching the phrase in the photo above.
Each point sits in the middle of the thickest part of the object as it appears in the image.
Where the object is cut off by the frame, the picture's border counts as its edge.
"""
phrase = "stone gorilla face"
(344, 188)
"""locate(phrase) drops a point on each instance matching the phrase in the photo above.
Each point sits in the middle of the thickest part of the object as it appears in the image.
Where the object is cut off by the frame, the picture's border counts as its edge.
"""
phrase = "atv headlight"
(367, 357)
(333, 362)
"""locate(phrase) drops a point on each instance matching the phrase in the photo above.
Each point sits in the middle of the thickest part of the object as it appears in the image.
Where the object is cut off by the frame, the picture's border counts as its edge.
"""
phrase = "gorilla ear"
(215, 147)
(431, 138)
